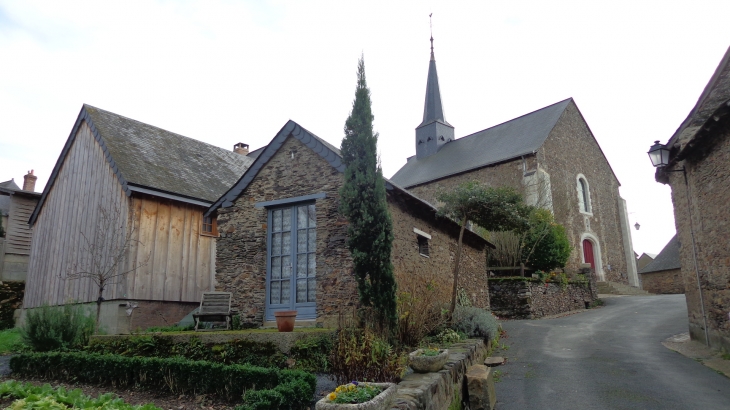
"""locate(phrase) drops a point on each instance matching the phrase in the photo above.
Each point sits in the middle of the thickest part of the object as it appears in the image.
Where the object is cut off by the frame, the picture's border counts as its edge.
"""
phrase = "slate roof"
(714, 103)
(333, 156)
(156, 160)
(152, 157)
(667, 259)
(433, 108)
(10, 185)
(512, 139)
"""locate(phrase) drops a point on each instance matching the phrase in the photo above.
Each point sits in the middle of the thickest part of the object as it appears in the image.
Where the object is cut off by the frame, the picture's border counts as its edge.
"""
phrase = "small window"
(210, 226)
(584, 195)
(423, 245)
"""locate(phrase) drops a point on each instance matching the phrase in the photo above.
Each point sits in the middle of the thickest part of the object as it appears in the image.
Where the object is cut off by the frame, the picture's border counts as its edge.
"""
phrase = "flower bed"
(361, 396)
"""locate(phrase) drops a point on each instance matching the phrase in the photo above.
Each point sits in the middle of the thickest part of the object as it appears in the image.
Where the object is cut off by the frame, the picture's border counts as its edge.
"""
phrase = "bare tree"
(104, 253)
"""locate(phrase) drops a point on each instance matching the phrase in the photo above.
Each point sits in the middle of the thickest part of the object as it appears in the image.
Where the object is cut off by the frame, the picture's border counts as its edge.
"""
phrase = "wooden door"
(588, 253)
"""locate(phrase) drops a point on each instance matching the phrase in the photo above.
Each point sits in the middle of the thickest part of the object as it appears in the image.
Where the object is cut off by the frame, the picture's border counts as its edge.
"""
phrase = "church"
(550, 155)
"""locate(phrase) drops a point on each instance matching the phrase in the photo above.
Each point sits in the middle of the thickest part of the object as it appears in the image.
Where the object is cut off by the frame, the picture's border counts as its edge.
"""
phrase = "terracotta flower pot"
(382, 401)
(427, 364)
(285, 320)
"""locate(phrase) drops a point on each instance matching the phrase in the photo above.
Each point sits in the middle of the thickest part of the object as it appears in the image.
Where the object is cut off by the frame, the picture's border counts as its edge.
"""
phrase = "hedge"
(264, 388)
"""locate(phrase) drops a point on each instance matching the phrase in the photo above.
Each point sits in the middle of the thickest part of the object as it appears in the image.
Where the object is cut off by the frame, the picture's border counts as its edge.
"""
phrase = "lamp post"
(637, 226)
(659, 156)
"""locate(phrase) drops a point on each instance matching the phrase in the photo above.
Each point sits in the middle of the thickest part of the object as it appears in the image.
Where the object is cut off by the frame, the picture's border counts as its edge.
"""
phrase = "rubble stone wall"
(520, 298)
(663, 282)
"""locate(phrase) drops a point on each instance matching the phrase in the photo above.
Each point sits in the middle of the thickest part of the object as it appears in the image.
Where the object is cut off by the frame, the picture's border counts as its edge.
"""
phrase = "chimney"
(241, 148)
(29, 181)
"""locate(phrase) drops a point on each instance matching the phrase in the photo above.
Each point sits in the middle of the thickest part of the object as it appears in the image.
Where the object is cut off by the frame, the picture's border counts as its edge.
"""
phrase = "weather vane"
(430, 25)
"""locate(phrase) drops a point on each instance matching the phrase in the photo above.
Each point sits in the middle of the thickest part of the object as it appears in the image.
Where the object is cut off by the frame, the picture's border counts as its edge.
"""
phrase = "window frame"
(422, 239)
(213, 226)
(585, 205)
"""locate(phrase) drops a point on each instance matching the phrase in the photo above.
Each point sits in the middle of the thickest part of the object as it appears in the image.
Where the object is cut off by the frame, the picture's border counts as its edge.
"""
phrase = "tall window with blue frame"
(292, 261)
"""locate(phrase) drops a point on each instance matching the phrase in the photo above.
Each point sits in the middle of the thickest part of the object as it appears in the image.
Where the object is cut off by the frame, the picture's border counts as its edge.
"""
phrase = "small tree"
(494, 209)
(363, 202)
(104, 252)
(545, 244)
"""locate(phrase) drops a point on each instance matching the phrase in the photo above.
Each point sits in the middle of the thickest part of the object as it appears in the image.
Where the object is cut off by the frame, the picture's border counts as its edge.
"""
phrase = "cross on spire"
(430, 25)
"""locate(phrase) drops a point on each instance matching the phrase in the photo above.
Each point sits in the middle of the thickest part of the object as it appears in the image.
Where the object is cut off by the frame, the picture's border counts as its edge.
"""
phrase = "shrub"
(51, 328)
(422, 306)
(312, 354)
(361, 354)
(475, 322)
(46, 397)
(175, 375)
(448, 336)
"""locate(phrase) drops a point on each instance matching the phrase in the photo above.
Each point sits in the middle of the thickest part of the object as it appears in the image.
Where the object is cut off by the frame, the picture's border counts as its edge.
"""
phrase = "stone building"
(699, 152)
(282, 243)
(551, 156)
(663, 275)
(644, 260)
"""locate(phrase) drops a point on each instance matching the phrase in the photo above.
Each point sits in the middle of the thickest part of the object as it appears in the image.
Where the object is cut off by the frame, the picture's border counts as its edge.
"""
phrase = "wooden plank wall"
(175, 262)
(18, 234)
(85, 183)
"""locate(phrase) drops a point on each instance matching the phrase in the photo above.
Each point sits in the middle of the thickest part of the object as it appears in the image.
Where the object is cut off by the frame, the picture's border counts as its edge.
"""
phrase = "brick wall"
(663, 282)
(708, 177)
(295, 171)
(152, 313)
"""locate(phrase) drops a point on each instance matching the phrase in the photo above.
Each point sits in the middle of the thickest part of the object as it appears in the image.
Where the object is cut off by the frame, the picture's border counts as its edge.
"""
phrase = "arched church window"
(584, 195)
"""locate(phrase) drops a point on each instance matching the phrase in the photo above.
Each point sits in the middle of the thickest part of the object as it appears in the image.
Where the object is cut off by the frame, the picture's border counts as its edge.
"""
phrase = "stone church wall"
(569, 150)
(709, 183)
(297, 171)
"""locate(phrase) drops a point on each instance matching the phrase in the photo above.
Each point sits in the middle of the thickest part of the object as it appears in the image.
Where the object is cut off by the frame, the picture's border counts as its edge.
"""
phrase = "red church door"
(588, 253)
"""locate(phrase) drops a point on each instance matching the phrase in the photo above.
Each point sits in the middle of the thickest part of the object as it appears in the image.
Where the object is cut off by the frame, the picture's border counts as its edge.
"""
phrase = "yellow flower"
(338, 389)
(331, 396)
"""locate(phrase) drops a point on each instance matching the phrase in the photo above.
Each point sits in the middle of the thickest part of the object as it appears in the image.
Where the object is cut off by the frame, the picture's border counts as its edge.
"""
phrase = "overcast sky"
(230, 71)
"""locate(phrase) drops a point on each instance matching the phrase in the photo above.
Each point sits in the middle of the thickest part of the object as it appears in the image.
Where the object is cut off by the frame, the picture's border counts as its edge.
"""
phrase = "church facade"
(551, 156)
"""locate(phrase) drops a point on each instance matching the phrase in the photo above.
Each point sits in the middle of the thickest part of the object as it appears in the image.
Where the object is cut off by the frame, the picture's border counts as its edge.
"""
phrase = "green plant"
(421, 307)
(596, 303)
(173, 328)
(10, 341)
(363, 203)
(354, 393)
(494, 209)
(175, 375)
(46, 397)
(497, 376)
(462, 298)
(456, 403)
(430, 352)
(726, 356)
(449, 336)
(361, 354)
(545, 244)
(475, 322)
(50, 328)
(312, 354)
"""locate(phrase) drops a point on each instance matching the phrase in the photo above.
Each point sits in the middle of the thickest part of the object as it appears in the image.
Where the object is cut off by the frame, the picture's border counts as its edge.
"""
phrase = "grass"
(497, 376)
(10, 341)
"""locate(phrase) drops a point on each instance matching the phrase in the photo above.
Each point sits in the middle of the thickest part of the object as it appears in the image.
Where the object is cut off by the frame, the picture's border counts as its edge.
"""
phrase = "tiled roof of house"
(512, 139)
(667, 259)
(152, 157)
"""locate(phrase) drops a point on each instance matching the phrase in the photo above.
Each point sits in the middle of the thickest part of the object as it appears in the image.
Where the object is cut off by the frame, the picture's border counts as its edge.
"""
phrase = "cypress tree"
(363, 202)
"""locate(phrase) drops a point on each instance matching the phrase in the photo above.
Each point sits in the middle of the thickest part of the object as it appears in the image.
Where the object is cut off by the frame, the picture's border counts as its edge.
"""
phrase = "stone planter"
(427, 364)
(382, 401)
(285, 320)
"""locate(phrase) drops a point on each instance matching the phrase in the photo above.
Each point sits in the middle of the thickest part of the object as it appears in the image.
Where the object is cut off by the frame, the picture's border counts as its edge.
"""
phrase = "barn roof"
(667, 259)
(521, 136)
(149, 159)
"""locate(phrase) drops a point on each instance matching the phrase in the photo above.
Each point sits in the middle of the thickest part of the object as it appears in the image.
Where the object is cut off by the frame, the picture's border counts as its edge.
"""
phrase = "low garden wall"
(436, 391)
(528, 298)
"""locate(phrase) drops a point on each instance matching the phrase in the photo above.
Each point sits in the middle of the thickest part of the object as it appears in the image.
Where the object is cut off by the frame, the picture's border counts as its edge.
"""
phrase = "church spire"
(434, 131)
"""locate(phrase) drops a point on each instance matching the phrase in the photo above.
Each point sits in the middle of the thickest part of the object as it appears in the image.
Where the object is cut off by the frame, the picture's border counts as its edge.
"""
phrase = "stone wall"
(569, 150)
(708, 177)
(295, 171)
(519, 298)
(663, 282)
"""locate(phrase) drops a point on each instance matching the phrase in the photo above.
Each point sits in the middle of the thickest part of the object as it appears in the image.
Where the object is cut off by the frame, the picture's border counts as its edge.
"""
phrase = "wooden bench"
(215, 307)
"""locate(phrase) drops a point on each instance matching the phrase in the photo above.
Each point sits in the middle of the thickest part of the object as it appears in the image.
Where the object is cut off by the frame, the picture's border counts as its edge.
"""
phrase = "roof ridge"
(515, 119)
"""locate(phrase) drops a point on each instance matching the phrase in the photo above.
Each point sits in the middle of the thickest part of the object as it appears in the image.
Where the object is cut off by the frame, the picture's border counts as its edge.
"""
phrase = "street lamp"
(637, 226)
(659, 156)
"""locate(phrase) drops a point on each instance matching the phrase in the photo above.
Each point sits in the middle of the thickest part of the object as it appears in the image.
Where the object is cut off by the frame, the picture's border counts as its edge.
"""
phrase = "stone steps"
(614, 288)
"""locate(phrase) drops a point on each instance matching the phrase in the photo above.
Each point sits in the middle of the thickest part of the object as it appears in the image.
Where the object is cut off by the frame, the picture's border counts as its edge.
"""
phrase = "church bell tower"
(434, 131)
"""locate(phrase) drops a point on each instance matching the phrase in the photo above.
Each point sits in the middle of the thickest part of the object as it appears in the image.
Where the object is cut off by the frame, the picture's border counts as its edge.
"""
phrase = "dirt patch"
(136, 397)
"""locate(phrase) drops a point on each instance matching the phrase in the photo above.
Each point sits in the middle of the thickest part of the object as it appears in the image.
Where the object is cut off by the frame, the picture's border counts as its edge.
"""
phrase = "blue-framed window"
(292, 260)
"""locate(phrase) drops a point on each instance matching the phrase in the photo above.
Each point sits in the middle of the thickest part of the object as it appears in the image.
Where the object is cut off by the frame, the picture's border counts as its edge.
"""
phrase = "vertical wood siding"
(176, 260)
(18, 235)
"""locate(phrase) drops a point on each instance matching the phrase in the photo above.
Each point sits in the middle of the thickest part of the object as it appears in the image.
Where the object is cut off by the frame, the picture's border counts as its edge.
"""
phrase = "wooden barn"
(120, 180)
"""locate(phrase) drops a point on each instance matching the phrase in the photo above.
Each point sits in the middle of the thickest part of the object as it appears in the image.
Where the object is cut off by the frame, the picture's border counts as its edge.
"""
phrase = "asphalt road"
(606, 358)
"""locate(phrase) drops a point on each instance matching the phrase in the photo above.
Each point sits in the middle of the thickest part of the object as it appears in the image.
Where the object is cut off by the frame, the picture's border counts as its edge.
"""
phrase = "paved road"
(607, 358)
